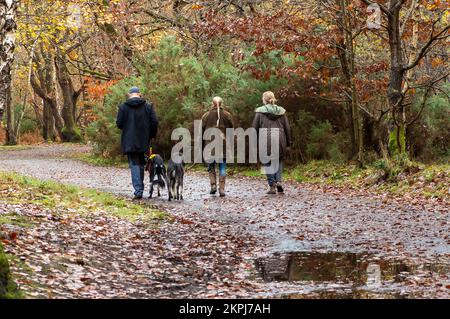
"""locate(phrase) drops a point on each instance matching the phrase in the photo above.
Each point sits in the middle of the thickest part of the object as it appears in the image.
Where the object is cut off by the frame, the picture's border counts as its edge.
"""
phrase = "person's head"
(269, 98)
(134, 92)
(217, 101)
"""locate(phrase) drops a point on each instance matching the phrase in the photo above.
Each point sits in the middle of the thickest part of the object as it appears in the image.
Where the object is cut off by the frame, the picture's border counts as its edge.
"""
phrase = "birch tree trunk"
(414, 12)
(7, 45)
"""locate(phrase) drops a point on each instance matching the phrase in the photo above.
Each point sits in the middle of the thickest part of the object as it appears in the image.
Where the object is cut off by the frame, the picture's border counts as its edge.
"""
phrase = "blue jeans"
(275, 178)
(136, 162)
(222, 168)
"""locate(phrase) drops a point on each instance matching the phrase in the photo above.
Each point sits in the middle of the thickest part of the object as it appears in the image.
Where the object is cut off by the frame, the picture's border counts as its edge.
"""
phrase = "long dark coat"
(270, 120)
(210, 120)
(139, 124)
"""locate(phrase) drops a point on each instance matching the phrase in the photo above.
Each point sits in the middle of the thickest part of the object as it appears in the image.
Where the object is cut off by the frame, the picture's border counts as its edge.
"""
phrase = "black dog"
(175, 174)
(158, 176)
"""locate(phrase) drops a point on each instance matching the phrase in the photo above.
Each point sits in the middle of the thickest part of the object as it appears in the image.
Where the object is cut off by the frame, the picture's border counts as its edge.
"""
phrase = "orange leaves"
(7, 238)
(73, 55)
(97, 90)
(436, 62)
(197, 6)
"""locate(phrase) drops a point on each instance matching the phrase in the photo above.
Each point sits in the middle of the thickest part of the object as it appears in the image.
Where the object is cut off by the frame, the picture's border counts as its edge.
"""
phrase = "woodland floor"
(312, 242)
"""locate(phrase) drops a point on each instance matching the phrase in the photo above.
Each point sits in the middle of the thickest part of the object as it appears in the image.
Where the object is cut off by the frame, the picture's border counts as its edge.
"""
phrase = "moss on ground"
(8, 289)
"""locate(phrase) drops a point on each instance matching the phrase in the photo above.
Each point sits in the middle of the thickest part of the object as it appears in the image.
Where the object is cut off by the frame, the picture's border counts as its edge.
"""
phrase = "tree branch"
(423, 52)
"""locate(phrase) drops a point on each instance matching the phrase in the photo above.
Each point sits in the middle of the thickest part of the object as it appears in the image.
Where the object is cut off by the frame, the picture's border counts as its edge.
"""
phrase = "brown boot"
(213, 181)
(222, 186)
(273, 190)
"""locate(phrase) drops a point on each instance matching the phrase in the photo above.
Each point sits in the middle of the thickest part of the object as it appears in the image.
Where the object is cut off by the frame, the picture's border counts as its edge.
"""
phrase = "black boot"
(280, 188)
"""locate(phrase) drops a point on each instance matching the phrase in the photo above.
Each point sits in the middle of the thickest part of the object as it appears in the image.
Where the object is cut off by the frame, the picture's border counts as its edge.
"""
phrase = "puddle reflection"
(359, 269)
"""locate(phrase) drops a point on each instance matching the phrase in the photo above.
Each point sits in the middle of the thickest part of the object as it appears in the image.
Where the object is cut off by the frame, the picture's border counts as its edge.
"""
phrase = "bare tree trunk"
(70, 97)
(346, 54)
(48, 115)
(7, 45)
(395, 95)
(46, 90)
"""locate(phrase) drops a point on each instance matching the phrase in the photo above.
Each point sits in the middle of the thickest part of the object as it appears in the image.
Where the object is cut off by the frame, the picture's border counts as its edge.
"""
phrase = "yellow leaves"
(197, 6)
(446, 16)
(21, 73)
(155, 39)
(51, 20)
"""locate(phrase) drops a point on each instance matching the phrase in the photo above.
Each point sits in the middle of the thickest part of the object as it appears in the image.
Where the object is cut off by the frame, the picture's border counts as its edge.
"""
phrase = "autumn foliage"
(333, 64)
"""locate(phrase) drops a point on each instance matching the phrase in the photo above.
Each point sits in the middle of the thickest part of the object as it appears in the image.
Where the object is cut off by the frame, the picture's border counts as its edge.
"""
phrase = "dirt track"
(305, 219)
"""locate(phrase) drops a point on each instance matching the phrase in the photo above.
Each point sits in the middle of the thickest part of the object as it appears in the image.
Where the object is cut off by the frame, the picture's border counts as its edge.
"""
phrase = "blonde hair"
(217, 102)
(269, 98)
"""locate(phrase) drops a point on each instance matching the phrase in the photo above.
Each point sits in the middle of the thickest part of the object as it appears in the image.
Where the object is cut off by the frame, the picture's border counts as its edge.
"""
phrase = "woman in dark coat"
(271, 116)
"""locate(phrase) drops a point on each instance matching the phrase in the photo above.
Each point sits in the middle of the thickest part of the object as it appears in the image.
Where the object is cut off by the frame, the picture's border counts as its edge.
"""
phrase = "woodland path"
(247, 234)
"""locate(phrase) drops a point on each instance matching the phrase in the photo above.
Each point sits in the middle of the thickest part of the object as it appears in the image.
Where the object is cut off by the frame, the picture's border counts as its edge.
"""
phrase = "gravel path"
(306, 218)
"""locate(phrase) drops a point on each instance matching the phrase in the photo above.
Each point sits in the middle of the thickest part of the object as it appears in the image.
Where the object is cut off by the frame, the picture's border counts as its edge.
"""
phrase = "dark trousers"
(276, 177)
(136, 162)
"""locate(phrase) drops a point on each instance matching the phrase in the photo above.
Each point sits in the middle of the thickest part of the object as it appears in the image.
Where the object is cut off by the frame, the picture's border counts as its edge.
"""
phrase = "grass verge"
(430, 181)
(18, 189)
(101, 161)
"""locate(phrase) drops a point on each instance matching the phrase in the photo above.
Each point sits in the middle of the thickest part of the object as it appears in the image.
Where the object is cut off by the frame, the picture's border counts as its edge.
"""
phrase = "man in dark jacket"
(139, 124)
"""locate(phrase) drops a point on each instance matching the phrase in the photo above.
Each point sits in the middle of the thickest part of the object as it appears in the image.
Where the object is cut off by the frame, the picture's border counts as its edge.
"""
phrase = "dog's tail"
(160, 181)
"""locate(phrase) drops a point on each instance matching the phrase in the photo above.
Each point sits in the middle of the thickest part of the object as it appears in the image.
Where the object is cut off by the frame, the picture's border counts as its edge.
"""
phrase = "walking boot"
(222, 186)
(212, 179)
(280, 188)
(273, 190)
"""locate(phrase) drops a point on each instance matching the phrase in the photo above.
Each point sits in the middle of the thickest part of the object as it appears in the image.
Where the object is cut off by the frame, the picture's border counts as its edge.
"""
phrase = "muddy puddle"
(351, 275)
